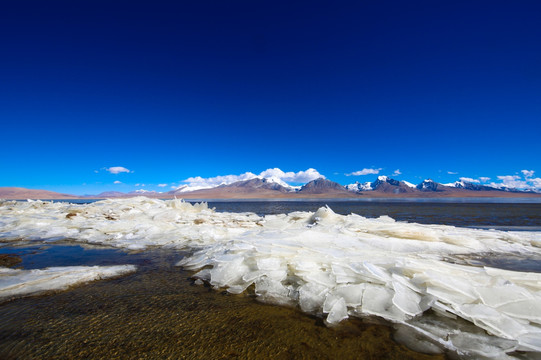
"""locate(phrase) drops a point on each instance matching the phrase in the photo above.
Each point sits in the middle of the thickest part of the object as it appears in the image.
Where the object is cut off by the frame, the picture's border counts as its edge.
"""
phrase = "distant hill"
(17, 193)
(323, 187)
(108, 194)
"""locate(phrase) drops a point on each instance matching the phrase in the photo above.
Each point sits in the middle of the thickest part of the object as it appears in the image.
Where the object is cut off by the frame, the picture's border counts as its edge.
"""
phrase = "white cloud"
(527, 173)
(509, 178)
(517, 182)
(162, 185)
(290, 176)
(536, 183)
(484, 179)
(452, 172)
(140, 184)
(364, 171)
(397, 172)
(117, 182)
(469, 180)
(199, 182)
(117, 170)
(512, 181)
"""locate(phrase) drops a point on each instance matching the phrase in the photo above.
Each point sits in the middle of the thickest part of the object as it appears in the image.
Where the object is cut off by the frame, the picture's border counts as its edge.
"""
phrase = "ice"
(17, 283)
(331, 265)
(528, 309)
(311, 297)
(352, 294)
(504, 294)
(407, 300)
(338, 312)
(481, 346)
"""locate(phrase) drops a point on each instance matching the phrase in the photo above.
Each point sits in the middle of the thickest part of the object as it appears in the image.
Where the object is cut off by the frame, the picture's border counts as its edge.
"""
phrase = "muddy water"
(157, 313)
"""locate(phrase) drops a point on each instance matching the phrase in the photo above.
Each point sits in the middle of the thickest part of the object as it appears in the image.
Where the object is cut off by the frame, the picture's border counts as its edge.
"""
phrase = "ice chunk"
(528, 309)
(480, 345)
(338, 312)
(377, 300)
(530, 341)
(272, 291)
(492, 320)
(352, 294)
(416, 341)
(500, 295)
(16, 283)
(312, 296)
(407, 300)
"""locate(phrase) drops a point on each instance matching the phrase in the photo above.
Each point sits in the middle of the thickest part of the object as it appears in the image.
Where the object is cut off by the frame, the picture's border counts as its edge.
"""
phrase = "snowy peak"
(475, 187)
(430, 185)
(456, 184)
(383, 184)
(187, 188)
(385, 180)
(409, 184)
(358, 187)
(278, 181)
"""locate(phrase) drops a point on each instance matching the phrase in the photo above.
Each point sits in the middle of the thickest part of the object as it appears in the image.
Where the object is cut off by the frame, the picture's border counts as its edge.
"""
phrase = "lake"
(159, 311)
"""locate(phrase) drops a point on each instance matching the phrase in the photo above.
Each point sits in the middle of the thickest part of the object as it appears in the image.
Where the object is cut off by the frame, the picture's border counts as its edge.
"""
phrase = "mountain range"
(258, 187)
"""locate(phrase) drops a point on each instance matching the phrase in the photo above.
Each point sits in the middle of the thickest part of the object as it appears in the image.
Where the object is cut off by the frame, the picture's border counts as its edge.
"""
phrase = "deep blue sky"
(177, 89)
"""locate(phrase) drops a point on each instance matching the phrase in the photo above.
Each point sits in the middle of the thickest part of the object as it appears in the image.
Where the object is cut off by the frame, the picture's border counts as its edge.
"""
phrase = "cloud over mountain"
(470, 180)
(292, 177)
(199, 182)
(528, 182)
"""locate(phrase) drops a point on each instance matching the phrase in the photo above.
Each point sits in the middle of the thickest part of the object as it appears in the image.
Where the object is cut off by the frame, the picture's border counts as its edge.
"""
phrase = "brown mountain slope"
(17, 193)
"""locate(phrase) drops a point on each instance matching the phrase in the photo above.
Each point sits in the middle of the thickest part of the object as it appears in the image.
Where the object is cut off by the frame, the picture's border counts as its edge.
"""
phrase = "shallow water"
(158, 313)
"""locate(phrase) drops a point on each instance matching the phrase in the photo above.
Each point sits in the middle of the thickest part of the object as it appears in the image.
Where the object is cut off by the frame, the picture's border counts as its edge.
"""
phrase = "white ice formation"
(328, 264)
(18, 283)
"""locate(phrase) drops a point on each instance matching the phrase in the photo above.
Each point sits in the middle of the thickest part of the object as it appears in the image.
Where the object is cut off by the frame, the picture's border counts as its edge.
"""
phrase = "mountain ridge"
(262, 188)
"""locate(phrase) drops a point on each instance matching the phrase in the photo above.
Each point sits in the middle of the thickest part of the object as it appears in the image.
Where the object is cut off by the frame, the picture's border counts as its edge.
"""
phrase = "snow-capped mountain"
(475, 187)
(383, 184)
(266, 180)
(409, 184)
(276, 180)
(274, 187)
(261, 183)
(357, 186)
(430, 185)
(187, 188)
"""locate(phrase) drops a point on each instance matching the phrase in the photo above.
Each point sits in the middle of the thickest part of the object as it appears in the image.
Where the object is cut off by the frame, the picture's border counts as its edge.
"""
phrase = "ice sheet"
(331, 265)
(18, 283)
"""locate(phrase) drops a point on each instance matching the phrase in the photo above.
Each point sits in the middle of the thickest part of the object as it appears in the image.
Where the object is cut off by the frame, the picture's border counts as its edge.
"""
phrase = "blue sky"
(173, 90)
